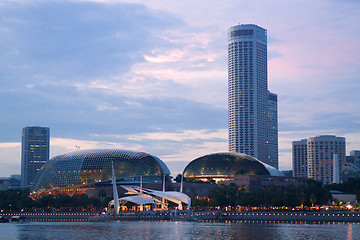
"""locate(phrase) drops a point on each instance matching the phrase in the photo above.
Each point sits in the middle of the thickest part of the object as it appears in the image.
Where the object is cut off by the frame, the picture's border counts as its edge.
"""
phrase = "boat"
(18, 219)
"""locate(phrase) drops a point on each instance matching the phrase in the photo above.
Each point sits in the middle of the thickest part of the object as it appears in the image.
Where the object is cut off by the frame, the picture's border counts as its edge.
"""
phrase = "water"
(176, 230)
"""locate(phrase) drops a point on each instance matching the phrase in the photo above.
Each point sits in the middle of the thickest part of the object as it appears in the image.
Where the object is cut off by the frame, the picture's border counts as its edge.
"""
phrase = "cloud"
(77, 41)
(155, 72)
(182, 136)
(174, 148)
(10, 158)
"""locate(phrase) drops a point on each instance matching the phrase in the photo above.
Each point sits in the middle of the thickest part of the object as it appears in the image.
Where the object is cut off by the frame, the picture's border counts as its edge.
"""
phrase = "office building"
(299, 156)
(250, 119)
(322, 153)
(35, 149)
(273, 150)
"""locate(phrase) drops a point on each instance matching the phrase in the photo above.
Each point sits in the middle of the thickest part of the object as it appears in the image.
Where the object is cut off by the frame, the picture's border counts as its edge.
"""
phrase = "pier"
(196, 216)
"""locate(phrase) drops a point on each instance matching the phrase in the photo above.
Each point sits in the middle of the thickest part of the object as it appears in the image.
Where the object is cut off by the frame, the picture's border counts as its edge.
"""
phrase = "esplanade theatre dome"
(86, 167)
(228, 164)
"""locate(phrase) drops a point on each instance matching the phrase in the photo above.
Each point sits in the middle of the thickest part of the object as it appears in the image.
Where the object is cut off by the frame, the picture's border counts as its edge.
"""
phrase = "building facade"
(248, 97)
(356, 155)
(35, 148)
(273, 149)
(322, 153)
(299, 156)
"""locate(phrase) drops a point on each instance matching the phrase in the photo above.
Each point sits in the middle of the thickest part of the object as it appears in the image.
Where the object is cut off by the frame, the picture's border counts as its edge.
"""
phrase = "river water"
(177, 230)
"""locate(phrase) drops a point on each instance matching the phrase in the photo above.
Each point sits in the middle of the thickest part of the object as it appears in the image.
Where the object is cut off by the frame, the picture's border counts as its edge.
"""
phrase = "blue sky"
(152, 75)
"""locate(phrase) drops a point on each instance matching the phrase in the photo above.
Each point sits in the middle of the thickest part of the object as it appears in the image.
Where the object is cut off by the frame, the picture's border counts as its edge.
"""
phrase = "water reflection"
(349, 232)
(177, 230)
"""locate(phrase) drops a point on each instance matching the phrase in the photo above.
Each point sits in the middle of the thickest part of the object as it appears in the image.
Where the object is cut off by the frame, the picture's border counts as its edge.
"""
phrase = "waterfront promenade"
(198, 216)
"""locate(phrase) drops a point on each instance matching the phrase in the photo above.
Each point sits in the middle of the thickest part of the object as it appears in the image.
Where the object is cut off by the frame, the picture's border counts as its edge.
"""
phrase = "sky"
(151, 75)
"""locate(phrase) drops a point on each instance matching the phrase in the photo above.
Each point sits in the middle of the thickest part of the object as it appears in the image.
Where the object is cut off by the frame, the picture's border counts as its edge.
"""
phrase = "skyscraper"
(273, 153)
(35, 148)
(249, 116)
(315, 158)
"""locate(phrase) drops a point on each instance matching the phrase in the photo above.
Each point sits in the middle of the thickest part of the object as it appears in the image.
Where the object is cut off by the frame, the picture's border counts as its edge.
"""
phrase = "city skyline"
(152, 76)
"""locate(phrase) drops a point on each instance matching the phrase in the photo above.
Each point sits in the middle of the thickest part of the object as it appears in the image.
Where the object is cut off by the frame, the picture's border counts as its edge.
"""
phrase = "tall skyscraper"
(34, 152)
(250, 117)
(317, 155)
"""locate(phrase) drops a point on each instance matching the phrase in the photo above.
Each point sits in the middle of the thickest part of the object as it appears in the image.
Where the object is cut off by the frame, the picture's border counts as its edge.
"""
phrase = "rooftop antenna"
(115, 192)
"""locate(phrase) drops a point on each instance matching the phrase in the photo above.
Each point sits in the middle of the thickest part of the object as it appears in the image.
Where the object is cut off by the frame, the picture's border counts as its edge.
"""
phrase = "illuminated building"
(35, 148)
(252, 109)
(76, 172)
(272, 143)
(299, 156)
(245, 171)
(317, 155)
(321, 154)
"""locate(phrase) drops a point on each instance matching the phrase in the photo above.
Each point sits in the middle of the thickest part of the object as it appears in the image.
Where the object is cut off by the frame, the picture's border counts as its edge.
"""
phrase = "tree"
(178, 178)
(291, 197)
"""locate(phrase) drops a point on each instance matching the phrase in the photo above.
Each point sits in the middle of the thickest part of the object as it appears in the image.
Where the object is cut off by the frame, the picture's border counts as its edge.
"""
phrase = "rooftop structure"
(77, 171)
(224, 168)
(218, 166)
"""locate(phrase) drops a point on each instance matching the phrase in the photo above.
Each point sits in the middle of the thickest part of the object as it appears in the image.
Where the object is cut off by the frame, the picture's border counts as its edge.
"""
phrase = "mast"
(181, 183)
(115, 192)
(141, 184)
(164, 183)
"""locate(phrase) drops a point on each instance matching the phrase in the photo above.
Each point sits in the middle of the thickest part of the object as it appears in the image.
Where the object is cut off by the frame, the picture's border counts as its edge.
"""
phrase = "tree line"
(311, 194)
(18, 200)
(351, 186)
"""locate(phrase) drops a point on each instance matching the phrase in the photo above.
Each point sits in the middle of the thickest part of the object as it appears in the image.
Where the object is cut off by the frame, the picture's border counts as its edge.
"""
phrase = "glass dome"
(91, 166)
(228, 164)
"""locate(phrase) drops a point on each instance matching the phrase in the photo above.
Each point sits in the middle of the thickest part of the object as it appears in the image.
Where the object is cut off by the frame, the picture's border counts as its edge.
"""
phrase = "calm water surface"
(177, 230)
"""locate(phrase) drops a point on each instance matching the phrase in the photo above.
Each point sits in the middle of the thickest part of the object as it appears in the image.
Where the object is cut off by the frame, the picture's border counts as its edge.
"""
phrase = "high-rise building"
(273, 149)
(299, 156)
(322, 152)
(321, 156)
(34, 152)
(250, 120)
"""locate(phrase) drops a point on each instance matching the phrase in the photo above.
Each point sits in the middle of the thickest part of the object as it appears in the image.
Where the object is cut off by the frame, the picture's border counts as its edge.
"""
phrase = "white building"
(249, 115)
(321, 152)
